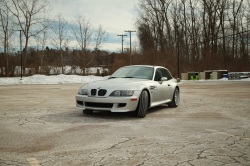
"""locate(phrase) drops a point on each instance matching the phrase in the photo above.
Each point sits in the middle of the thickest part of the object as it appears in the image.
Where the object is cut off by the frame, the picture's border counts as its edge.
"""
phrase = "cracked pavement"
(211, 126)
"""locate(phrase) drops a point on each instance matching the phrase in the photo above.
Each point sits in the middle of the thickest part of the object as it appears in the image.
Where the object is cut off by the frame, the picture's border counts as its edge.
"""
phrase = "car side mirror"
(164, 79)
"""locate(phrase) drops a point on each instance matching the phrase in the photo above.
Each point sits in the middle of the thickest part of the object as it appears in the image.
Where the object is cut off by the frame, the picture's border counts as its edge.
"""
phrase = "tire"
(175, 99)
(142, 107)
(87, 111)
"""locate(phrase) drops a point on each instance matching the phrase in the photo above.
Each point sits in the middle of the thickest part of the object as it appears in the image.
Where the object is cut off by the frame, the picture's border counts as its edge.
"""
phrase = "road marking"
(21, 99)
(228, 134)
(33, 162)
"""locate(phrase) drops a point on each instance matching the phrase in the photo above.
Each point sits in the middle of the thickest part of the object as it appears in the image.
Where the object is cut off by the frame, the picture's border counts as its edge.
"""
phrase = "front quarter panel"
(173, 85)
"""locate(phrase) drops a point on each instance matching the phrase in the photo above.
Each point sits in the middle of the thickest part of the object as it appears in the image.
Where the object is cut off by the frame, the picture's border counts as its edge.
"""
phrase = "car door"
(163, 86)
(168, 82)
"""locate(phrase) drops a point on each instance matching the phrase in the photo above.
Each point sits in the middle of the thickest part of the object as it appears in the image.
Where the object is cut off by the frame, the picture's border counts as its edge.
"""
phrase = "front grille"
(102, 92)
(100, 105)
(93, 92)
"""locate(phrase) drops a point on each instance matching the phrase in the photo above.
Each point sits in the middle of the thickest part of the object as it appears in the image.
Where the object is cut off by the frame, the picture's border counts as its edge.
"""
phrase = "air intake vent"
(79, 102)
(122, 104)
(102, 92)
(99, 105)
(93, 92)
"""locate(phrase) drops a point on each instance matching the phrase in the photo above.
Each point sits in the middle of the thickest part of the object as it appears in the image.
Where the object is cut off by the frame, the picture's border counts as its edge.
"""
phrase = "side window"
(161, 72)
(164, 73)
(158, 75)
(168, 75)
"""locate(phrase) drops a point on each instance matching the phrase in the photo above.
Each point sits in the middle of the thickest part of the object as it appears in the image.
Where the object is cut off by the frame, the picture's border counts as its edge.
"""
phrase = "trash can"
(211, 76)
(194, 77)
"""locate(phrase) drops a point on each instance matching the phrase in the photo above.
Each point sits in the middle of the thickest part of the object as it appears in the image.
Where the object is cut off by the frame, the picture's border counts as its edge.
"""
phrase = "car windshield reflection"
(134, 72)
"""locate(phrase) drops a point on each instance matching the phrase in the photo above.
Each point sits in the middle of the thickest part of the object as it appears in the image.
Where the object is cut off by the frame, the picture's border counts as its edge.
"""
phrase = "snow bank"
(58, 70)
(246, 79)
(58, 79)
(222, 79)
(68, 79)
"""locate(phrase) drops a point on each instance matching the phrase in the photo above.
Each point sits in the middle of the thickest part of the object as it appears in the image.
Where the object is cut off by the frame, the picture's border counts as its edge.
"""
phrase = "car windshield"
(134, 72)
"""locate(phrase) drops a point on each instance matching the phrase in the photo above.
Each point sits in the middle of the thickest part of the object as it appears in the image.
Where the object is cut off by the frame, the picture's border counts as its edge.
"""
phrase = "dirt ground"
(39, 125)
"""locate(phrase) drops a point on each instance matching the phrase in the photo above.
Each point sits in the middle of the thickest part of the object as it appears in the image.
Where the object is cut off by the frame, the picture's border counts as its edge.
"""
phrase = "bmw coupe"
(132, 88)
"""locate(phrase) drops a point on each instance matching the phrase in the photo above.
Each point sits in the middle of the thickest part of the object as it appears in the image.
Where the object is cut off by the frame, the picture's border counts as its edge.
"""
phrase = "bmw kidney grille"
(101, 92)
(93, 92)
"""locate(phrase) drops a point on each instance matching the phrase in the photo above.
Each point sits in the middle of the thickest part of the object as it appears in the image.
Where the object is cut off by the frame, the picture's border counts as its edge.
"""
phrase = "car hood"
(117, 84)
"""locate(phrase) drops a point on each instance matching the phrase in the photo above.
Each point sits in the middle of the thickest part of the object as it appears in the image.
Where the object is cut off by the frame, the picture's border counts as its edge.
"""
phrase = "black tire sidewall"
(172, 103)
(141, 110)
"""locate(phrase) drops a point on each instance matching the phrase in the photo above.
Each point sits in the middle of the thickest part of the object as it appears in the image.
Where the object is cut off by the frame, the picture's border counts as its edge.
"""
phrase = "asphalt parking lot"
(39, 125)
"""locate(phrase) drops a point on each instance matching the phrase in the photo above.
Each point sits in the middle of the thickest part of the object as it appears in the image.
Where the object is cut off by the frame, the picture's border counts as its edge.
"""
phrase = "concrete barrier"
(184, 76)
(202, 76)
(215, 75)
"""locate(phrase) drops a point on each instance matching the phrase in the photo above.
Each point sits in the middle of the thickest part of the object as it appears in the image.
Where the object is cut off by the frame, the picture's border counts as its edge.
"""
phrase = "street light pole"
(178, 49)
(130, 43)
(21, 53)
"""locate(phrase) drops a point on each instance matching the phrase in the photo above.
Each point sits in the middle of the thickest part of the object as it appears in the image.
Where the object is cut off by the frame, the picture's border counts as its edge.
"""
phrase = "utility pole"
(126, 49)
(21, 53)
(178, 79)
(130, 42)
(122, 41)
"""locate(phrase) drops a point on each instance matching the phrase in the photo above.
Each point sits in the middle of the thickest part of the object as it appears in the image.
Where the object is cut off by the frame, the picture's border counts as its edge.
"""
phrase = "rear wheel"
(87, 111)
(142, 107)
(175, 99)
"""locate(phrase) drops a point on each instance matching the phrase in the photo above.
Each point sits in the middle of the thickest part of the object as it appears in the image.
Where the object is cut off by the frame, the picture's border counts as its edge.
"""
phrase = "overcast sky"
(115, 16)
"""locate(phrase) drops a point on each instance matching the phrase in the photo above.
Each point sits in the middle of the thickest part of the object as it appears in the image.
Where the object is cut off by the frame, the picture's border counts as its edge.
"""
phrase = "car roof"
(146, 66)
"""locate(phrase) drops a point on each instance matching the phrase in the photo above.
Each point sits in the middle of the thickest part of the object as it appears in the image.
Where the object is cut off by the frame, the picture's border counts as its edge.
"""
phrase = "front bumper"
(113, 104)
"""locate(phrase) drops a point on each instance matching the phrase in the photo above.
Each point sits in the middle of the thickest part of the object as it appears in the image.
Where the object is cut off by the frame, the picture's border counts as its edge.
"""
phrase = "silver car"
(131, 88)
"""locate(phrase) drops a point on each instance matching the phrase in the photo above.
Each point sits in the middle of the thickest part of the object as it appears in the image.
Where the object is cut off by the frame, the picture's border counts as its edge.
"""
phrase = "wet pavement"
(39, 125)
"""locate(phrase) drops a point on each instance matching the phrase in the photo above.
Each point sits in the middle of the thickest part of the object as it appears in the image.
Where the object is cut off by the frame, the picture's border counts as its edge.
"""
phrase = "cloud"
(115, 16)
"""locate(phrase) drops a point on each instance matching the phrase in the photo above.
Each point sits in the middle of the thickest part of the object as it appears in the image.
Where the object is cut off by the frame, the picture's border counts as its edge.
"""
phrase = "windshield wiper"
(128, 77)
(112, 77)
(120, 77)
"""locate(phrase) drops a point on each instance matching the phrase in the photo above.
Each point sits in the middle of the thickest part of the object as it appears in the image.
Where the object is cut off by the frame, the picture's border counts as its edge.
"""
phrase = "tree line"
(213, 34)
(33, 20)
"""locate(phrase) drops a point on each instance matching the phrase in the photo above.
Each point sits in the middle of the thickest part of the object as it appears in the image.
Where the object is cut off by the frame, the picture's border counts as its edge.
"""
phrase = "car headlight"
(83, 92)
(122, 93)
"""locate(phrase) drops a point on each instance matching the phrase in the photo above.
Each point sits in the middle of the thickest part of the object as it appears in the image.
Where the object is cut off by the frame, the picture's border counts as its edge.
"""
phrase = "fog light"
(80, 102)
(122, 104)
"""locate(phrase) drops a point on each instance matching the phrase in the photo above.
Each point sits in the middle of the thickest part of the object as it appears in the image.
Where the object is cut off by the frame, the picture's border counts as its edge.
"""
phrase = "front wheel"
(175, 99)
(142, 107)
(87, 111)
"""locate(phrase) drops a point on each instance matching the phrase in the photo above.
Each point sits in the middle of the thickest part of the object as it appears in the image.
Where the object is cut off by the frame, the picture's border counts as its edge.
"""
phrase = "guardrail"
(240, 75)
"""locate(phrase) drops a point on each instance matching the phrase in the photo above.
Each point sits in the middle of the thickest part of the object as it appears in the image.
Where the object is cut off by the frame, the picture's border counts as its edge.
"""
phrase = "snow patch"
(69, 79)
(57, 79)
(222, 79)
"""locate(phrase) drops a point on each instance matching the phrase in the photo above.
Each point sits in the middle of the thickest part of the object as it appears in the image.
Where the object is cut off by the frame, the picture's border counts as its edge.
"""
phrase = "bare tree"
(41, 40)
(28, 15)
(60, 36)
(7, 31)
(82, 31)
(213, 33)
(101, 36)
(236, 6)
